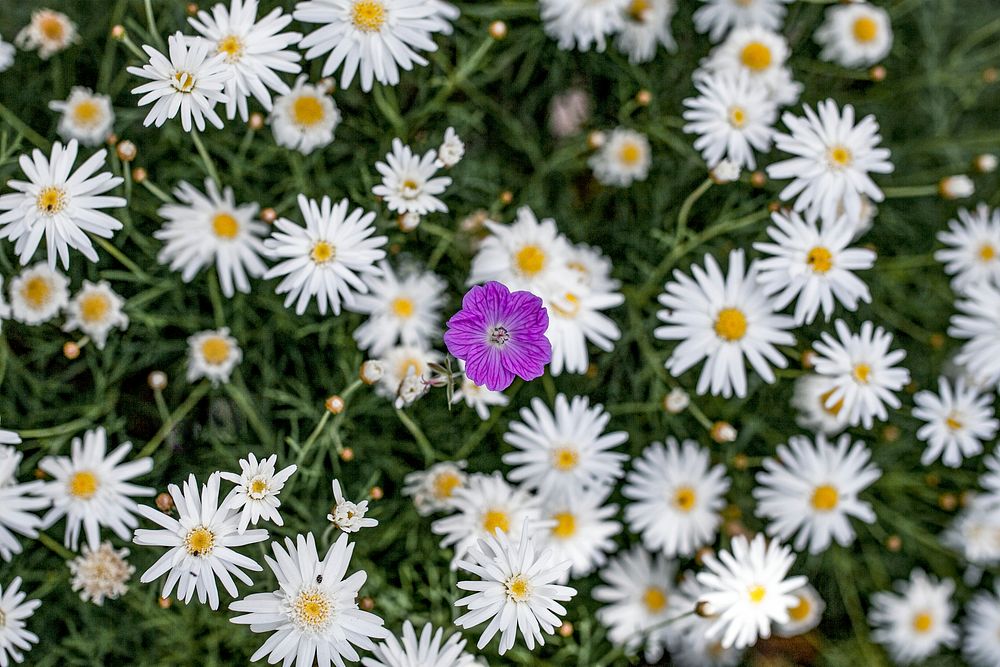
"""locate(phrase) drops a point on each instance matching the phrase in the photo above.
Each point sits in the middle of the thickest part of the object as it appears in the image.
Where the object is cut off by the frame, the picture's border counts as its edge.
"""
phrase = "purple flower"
(499, 334)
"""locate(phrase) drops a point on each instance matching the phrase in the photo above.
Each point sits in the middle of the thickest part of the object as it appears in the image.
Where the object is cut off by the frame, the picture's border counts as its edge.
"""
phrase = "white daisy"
(86, 116)
(861, 372)
(348, 516)
(718, 17)
(212, 354)
(327, 258)
(722, 319)
(990, 480)
(810, 395)
(565, 448)
(18, 502)
(451, 151)
(200, 543)
(974, 534)
(981, 636)
(433, 488)
(37, 294)
(5, 311)
(810, 492)
(253, 51)
(7, 53)
(483, 505)
(639, 601)
(526, 255)
(92, 488)
(401, 362)
(833, 158)
(191, 82)
(257, 489)
(646, 27)
(958, 421)
(972, 252)
(747, 589)
(731, 116)
(812, 265)
(689, 647)
(49, 33)
(676, 498)
(15, 638)
(477, 396)
(761, 54)
(60, 204)
(101, 573)
(855, 35)
(582, 25)
(623, 159)
(403, 309)
(916, 621)
(804, 615)
(408, 182)
(205, 229)
(376, 36)
(977, 321)
(95, 310)
(427, 651)
(516, 591)
(314, 614)
(305, 118)
(582, 529)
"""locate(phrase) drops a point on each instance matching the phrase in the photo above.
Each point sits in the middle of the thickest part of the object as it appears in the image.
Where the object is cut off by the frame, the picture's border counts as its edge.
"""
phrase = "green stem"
(685, 211)
(175, 418)
(157, 192)
(23, 129)
(418, 435)
(151, 21)
(136, 51)
(315, 434)
(57, 548)
(215, 296)
(120, 256)
(61, 429)
(209, 165)
(905, 191)
(241, 397)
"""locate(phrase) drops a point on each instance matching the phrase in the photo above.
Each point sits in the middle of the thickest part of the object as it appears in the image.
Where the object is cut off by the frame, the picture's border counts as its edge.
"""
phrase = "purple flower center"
(499, 335)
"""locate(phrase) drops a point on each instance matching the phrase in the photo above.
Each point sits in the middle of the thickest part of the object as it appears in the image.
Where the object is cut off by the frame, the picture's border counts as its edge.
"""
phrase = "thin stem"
(215, 296)
(151, 21)
(315, 434)
(55, 547)
(905, 191)
(120, 256)
(418, 435)
(23, 129)
(209, 165)
(157, 192)
(175, 418)
(692, 198)
(136, 51)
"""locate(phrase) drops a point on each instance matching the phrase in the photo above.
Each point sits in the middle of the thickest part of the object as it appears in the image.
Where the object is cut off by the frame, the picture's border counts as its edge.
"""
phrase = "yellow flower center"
(94, 307)
(494, 519)
(258, 487)
(51, 200)
(756, 56)
(731, 324)
(87, 112)
(445, 484)
(819, 259)
(953, 422)
(52, 28)
(825, 498)
(862, 372)
(322, 252)
(630, 154)
(737, 117)
(565, 458)
(571, 311)
(215, 350)
(36, 291)
(834, 409)
(865, 29)
(685, 498)
(411, 365)
(756, 593)
(312, 609)
(987, 252)
(368, 15)
(654, 599)
(529, 260)
(518, 588)
(922, 622)
(840, 156)
(225, 226)
(83, 485)
(638, 10)
(200, 541)
(800, 611)
(307, 110)
(402, 307)
(565, 525)
(183, 81)
(232, 47)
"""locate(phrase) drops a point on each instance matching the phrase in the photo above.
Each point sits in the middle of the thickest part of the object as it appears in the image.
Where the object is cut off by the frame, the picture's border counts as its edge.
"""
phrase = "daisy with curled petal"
(49, 32)
(327, 258)
(675, 497)
(254, 51)
(812, 265)
(718, 17)
(451, 151)
(623, 159)
(516, 592)
(748, 589)
(583, 528)
(809, 398)
(257, 488)
(810, 491)
(582, 25)
(833, 158)
(60, 204)
(212, 354)
(855, 35)
(314, 614)
(93, 489)
(981, 636)
(639, 601)
(14, 611)
(761, 54)
(724, 320)
(212, 228)
(861, 372)
(86, 116)
(731, 116)
(565, 448)
(403, 309)
(646, 27)
(377, 37)
(37, 294)
(804, 615)
(957, 421)
(200, 543)
(427, 651)
(305, 118)
(190, 82)
(916, 621)
(95, 310)
(433, 488)
(18, 502)
(408, 183)
(972, 252)
(348, 516)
